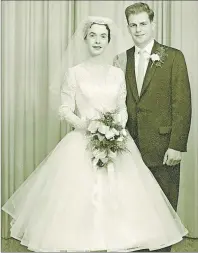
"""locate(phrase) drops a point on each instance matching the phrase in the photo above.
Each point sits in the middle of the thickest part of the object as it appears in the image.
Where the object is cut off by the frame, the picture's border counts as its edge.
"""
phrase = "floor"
(187, 245)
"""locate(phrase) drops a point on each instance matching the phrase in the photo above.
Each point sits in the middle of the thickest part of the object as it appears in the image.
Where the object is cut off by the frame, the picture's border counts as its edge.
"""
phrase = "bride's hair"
(77, 52)
(88, 26)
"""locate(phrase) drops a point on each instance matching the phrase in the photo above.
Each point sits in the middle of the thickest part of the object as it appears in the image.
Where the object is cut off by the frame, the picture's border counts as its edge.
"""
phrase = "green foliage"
(114, 145)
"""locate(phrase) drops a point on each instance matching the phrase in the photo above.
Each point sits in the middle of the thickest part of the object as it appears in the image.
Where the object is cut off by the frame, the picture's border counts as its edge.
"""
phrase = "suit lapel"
(150, 70)
(131, 73)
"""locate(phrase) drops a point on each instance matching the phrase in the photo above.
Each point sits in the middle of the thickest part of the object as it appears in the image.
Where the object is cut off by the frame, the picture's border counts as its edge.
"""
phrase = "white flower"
(100, 137)
(155, 57)
(104, 160)
(95, 160)
(99, 154)
(93, 126)
(110, 134)
(103, 129)
(117, 118)
(115, 131)
(121, 138)
(123, 132)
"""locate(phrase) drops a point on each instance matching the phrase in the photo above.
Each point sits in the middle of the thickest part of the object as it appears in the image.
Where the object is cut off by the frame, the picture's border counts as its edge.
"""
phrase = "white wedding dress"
(67, 205)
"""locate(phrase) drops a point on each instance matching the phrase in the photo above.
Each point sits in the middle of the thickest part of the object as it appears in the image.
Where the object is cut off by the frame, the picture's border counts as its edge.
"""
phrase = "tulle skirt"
(68, 205)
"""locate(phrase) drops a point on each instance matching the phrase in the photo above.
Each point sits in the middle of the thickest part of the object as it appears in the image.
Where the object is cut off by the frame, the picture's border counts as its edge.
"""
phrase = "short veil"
(77, 52)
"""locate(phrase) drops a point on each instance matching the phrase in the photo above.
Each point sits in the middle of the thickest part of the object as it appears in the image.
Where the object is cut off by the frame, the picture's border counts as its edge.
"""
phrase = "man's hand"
(172, 157)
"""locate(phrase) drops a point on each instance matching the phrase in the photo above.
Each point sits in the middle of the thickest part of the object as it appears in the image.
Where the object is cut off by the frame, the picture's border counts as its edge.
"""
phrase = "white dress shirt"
(147, 52)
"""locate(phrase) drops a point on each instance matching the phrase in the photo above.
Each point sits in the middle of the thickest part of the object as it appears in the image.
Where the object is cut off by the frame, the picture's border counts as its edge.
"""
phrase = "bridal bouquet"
(107, 138)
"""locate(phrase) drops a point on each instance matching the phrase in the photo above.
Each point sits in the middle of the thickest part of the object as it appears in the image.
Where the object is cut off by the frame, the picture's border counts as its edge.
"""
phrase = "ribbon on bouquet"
(112, 185)
(97, 191)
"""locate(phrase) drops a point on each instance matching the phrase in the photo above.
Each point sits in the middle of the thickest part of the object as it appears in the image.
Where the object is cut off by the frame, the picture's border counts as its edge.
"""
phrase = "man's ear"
(128, 29)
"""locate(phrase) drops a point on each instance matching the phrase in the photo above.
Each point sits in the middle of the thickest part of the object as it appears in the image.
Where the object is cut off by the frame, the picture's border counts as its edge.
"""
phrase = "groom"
(158, 100)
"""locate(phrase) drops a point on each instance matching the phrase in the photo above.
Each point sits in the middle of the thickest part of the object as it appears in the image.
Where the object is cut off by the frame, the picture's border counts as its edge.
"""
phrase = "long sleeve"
(181, 104)
(68, 94)
(121, 103)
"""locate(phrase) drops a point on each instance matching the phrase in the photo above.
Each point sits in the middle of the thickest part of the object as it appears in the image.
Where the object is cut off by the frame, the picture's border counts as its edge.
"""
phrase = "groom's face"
(141, 29)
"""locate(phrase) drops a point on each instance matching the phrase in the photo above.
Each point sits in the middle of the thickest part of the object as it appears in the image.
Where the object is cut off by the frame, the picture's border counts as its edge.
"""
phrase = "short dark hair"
(138, 8)
(107, 27)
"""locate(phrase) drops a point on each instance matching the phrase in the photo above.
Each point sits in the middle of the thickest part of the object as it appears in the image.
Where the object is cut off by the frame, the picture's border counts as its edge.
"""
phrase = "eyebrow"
(140, 22)
(100, 34)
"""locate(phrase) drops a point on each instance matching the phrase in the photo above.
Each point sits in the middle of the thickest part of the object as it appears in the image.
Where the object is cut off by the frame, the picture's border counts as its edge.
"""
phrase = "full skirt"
(68, 205)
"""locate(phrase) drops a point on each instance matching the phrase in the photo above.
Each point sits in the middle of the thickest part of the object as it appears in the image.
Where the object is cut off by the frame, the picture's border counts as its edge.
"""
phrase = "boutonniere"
(159, 57)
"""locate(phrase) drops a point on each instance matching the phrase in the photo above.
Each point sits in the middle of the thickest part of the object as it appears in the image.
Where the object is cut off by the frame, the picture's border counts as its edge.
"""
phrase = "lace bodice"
(86, 92)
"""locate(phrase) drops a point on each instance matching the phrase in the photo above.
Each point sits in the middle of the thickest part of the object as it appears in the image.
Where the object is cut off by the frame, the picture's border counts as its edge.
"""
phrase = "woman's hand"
(83, 123)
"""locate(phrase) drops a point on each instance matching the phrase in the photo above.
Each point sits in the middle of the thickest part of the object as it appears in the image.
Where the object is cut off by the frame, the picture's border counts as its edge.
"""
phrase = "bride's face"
(97, 39)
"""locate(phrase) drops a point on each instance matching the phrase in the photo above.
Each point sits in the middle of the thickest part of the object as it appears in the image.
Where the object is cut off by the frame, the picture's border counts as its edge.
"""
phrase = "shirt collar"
(148, 48)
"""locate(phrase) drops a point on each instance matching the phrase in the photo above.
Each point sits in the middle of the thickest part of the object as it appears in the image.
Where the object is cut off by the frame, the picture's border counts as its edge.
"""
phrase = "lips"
(139, 35)
(97, 47)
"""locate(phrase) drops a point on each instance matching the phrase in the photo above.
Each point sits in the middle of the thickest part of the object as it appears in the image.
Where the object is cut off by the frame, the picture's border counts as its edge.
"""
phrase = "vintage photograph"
(99, 126)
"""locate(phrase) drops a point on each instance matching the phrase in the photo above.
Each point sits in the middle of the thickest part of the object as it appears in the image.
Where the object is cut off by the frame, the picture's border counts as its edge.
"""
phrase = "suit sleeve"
(181, 104)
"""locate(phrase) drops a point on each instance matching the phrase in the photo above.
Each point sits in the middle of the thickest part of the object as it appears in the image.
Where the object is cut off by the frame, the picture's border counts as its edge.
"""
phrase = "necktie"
(140, 75)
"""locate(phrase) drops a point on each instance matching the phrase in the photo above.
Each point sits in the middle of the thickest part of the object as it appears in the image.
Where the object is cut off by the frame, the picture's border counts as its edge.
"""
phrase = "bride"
(67, 203)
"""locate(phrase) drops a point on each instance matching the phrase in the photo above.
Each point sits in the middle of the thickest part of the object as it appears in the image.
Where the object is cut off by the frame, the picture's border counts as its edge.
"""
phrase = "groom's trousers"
(168, 178)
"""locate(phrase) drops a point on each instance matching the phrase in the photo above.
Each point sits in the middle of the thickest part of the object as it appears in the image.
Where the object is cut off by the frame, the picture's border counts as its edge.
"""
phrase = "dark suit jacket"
(160, 118)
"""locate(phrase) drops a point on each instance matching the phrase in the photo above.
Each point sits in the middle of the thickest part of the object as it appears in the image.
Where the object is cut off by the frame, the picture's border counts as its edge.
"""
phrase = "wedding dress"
(67, 205)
